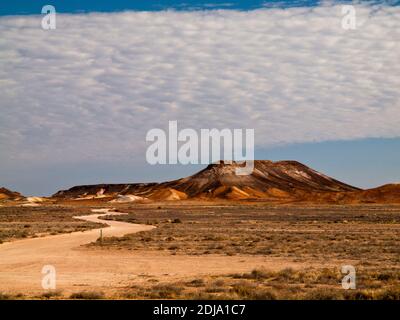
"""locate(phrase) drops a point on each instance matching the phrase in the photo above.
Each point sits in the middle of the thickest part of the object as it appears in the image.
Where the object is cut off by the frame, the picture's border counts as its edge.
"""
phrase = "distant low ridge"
(6, 194)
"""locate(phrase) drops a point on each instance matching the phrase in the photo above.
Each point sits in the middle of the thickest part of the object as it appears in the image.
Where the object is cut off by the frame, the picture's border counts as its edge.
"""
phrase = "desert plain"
(199, 250)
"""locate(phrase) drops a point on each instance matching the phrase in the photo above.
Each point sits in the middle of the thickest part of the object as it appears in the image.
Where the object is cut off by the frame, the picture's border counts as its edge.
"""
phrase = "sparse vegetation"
(368, 236)
(9, 296)
(5, 296)
(87, 295)
(51, 294)
(262, 284)
(368, 232)
(30, 222)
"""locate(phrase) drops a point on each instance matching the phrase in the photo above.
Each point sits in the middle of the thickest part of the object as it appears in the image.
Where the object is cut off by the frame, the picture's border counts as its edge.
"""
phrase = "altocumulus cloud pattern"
(94, 86)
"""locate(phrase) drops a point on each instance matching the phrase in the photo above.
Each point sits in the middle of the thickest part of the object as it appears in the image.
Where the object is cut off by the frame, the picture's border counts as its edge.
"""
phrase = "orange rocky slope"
(6, 194)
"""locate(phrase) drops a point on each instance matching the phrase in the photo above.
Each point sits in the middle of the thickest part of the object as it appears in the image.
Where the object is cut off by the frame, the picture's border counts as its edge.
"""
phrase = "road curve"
(59, 245)
(21, 261)
(107, 269)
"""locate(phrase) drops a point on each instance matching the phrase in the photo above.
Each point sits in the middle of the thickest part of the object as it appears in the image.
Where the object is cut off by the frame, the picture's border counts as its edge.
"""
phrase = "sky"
(18, 7)
(76, 102)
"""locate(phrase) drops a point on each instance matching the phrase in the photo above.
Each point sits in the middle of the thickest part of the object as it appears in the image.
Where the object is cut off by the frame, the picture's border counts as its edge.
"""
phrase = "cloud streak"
(93, 87)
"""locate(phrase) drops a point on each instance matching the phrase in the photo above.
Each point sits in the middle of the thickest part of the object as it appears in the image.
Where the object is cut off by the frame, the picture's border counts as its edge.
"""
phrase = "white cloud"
(93, 87)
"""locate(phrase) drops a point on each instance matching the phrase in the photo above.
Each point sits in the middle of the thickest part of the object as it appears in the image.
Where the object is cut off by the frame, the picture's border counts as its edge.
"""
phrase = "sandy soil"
(80, 268)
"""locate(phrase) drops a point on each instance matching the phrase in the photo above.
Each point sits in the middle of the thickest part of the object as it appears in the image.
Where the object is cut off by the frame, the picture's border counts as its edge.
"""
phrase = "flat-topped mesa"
(287, 176)
(269, 179)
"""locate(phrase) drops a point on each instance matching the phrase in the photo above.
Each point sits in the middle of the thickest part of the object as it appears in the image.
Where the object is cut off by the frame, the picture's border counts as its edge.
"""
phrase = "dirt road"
(78, 268)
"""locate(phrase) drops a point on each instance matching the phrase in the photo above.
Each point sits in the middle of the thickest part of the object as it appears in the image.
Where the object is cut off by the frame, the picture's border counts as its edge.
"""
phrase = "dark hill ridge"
(280, 179)
(6, 194)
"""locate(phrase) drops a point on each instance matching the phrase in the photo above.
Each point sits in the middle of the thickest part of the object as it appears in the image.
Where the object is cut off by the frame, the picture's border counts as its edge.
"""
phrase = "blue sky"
(77, 101)
(363, 163)
(78, 6)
